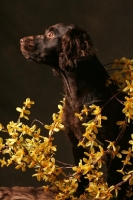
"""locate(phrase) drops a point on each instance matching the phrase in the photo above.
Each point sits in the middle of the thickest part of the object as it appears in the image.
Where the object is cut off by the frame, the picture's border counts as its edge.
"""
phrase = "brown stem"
(121, 133)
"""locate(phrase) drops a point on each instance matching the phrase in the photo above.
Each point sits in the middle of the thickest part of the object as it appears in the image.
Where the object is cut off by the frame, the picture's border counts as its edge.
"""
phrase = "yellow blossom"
(121, 171)
(23, 111)
(1, 127)
(128, 109)
(39, 174)
(79, 115)
(28, 130)
(3, 162)
(126, 177)
(131, 180)
(1, 144)
(91, 126)
(129, 86)
(129, 153)
(121, 123)
(97, 109)
(116, 153)
(111, 145)
(85, 110)
(22, 166)
(28, 103)
(18, 156)
(131, 141)
(99, 118)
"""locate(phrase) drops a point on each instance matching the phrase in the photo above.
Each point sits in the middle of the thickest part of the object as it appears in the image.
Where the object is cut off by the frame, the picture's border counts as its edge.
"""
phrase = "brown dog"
(69, 51)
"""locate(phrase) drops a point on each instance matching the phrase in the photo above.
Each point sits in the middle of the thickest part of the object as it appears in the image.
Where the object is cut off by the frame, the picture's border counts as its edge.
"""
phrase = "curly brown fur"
(69, 51)
(76, 46)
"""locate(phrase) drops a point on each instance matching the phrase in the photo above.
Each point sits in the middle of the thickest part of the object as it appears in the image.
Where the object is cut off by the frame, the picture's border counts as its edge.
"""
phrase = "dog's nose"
(22, 40)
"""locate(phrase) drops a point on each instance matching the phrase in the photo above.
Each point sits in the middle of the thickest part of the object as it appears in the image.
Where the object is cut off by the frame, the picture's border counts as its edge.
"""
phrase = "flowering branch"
(26, 147)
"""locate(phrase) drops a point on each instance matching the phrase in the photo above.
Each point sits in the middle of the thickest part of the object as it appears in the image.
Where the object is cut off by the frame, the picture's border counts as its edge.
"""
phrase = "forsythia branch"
(26, 147)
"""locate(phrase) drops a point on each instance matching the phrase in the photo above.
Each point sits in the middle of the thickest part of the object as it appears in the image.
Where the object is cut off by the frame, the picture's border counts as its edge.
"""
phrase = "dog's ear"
(76, 46)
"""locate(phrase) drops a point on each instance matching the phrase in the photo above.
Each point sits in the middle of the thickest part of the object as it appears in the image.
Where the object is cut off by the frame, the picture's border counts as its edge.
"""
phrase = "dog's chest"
(72, 123)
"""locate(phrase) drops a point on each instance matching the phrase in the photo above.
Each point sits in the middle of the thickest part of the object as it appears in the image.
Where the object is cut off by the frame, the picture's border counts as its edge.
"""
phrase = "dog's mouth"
(26, 55)
(28, 52)
(30, 57)
(27, 47)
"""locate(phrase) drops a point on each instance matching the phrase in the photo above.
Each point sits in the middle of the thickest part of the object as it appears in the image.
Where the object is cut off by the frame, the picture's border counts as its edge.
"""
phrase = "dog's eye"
(50, 34)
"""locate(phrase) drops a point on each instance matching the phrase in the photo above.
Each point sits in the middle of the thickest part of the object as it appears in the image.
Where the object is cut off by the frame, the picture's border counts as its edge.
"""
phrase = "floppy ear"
(76, 46)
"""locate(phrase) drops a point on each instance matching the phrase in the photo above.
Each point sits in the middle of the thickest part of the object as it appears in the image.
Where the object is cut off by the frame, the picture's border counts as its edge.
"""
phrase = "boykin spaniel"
(68, 49)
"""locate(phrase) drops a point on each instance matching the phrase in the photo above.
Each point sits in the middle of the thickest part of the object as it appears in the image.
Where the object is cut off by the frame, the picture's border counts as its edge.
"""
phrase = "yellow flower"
(85, 110)
(116, 188)
(121, 171)
(129, 74)
(22, 166)
(79, 116)
(37, 134)
(99, 118)
(131, 141)
(28, 103)
(3, 162)
(111, 145)
(121, 123)
(11, 141)
(97, 109)
(9, 162)
(28, 130)
(91, 142)
(13, 127)
(23, 111)
(126, 162)
(116, 153)
(129, 115)
(18, 156)
(39, 174)
(91, 126)
(32, 164)
(123, 62)
(57, 124)
(108, 82)
(1, 127)
(126, 177)
(1, 144)
(129, 86)
(128, 109)
(129, 152)
(78, 169)
(82, 143)
(118, 78)
(131, 180)
(51, 128)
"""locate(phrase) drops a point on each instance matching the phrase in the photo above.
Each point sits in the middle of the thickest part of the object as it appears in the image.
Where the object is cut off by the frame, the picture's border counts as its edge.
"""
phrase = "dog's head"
(61, 46)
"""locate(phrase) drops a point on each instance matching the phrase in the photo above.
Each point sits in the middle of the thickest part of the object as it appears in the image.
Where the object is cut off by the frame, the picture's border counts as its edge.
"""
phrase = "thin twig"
(121, 133)
(65, 163)
(36, 120)
(114, 95)
(108, 64)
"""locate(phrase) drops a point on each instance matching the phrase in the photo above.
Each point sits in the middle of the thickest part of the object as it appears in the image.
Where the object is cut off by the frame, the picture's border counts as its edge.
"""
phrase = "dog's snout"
(26, 39)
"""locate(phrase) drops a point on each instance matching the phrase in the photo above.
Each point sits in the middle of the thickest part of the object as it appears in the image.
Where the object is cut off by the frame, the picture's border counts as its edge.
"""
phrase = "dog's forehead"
(62, 28)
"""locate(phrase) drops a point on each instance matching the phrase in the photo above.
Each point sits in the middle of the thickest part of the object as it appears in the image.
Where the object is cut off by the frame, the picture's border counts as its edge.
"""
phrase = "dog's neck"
(88, 78)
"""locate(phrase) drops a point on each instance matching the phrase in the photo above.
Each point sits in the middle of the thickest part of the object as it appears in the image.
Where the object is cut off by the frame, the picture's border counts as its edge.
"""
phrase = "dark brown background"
(110, 24)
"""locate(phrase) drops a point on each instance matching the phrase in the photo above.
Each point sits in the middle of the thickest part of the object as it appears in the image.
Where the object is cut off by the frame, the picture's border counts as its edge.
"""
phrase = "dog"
(68, 49)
